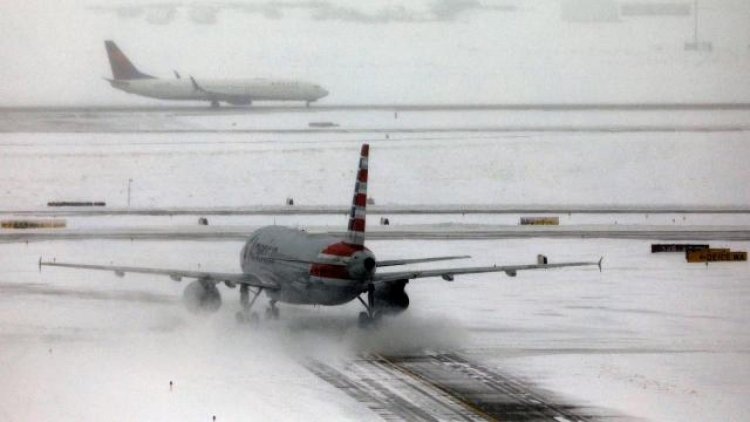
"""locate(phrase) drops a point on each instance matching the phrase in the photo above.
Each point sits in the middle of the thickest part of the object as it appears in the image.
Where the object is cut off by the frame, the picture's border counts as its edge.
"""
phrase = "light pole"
(129, 182)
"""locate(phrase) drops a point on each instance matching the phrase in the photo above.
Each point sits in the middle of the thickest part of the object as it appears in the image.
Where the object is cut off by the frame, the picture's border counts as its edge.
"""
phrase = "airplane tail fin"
(122, 68)
(356, 230)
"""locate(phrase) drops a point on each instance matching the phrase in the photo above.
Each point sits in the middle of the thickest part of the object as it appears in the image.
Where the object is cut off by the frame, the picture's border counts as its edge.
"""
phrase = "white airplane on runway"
(233, 91)
(294, 266)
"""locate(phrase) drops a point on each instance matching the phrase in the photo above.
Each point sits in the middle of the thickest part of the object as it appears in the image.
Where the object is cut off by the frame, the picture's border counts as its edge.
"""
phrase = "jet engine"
(201, 296)
(391, 299)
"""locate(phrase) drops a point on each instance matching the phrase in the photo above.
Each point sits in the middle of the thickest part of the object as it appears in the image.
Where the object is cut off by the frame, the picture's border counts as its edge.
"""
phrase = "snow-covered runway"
(650, 337)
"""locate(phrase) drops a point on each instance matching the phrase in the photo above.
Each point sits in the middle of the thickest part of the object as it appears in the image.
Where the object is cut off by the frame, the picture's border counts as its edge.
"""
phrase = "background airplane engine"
(201, 297)
(391, 299)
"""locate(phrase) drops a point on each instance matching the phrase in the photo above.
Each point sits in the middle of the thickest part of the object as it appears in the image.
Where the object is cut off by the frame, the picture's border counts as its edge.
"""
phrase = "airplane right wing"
(448, 273)
(176, 275)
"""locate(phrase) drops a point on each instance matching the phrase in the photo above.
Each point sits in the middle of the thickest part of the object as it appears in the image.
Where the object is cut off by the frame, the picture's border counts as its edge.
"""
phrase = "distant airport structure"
(126, 77)
(582, 11)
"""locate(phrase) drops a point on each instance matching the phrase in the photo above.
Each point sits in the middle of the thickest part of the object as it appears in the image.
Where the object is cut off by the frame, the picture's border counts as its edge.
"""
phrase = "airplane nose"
(323, 92)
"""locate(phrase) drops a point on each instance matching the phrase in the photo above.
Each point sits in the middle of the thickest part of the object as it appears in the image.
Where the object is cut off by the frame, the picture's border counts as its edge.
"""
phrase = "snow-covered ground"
(422, 167)
(651, 336)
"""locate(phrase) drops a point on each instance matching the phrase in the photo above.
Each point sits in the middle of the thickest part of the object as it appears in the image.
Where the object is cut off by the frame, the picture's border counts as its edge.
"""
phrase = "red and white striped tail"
(356, 229)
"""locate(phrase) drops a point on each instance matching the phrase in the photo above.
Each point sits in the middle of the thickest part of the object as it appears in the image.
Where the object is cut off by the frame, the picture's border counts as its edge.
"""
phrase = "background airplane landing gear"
(214, 104)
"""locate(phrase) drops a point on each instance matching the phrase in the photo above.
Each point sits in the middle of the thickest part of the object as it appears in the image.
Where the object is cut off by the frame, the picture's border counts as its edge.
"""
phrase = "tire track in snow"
(442, 386)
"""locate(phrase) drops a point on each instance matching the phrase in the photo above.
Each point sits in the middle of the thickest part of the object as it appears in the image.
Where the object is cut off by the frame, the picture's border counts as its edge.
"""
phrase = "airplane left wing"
(234, 278)
(449, 273)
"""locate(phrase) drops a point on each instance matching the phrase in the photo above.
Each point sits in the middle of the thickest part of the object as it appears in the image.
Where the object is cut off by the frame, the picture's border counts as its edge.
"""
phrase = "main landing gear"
(214, 104)
(272, 312)
(371, 317)
(245, 315)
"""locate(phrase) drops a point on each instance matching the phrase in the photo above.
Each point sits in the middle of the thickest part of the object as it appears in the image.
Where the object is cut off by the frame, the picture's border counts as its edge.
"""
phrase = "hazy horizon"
(449, 51)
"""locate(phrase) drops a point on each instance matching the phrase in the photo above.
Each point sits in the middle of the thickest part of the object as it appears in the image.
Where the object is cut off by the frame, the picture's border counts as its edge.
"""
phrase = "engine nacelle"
(391, 299)
(201, 296)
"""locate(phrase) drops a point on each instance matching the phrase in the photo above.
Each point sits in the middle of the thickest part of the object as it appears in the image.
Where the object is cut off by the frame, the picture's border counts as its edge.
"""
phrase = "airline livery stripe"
(362, 176)
(329, 271)
(342, 249)
(360, 200)
(357, 212)
(357, 225)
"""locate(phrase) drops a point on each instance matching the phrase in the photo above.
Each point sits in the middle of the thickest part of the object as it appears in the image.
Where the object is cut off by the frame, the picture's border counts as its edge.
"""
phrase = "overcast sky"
(441, 51)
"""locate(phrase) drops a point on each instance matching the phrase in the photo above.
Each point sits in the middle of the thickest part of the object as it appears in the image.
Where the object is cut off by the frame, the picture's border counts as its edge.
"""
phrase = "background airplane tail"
(122, 68)
(356, 230)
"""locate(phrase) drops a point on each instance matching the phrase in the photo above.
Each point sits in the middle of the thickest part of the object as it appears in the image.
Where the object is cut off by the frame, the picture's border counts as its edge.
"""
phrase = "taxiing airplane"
(233, 91)
(297, 267)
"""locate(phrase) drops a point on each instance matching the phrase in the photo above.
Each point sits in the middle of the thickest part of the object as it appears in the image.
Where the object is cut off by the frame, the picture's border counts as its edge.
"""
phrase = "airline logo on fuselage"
(261, 252)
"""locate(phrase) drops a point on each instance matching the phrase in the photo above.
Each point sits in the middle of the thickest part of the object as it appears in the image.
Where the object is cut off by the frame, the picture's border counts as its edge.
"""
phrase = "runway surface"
(379, 107)
(445, 232)
(384, 209)
(443, 386)
(651, 336)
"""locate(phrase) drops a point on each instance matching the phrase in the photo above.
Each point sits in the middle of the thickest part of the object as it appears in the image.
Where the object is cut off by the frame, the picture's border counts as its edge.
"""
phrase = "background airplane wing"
(449, 273)
(237, 278)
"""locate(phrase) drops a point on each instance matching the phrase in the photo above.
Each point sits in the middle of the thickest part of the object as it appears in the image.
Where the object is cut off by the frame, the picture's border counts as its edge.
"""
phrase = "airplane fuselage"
(234, 91)
(330, 280)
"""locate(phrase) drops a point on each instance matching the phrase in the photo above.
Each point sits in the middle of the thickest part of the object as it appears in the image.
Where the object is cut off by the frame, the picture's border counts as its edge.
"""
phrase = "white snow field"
(651, 337)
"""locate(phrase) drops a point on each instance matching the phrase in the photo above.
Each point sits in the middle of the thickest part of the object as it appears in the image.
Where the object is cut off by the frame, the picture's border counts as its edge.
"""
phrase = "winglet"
(356, 229)
(599, 264)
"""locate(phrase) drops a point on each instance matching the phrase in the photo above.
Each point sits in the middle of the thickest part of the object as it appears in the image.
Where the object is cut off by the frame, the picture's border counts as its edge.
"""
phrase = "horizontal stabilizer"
(392, 262)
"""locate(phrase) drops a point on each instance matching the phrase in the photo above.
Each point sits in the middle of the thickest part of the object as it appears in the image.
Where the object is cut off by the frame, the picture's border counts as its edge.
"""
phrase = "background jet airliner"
(233, 91)
(294, 266)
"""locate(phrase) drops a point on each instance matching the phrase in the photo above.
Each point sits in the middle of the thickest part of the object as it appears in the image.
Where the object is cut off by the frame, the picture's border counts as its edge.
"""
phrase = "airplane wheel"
(365, 321)
(244, 318)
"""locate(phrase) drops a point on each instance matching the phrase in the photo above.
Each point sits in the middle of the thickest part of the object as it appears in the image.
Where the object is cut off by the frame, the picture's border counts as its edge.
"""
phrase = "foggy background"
(436, 51)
